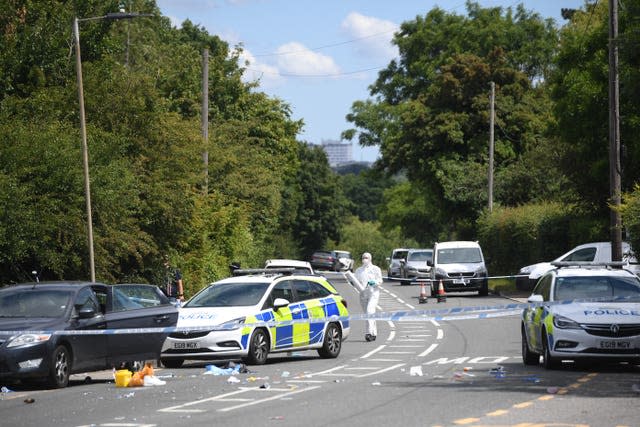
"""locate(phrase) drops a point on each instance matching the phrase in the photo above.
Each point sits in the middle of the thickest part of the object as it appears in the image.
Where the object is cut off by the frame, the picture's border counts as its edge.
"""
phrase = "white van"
(460, 266)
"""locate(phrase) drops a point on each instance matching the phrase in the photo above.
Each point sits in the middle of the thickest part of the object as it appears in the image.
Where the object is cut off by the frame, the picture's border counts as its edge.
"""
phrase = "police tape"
(442, 315)
(452, 279)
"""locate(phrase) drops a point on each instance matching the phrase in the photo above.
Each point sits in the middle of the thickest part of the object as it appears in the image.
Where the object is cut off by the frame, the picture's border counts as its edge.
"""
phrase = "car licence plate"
(185, 345)
(615, 345)
(460, 282)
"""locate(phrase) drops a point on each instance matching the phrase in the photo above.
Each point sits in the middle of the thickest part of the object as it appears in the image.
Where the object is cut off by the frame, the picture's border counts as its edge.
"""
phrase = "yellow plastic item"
(123, 376)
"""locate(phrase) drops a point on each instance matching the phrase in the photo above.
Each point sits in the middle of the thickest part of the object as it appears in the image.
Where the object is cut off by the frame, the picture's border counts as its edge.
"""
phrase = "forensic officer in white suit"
(370, 278)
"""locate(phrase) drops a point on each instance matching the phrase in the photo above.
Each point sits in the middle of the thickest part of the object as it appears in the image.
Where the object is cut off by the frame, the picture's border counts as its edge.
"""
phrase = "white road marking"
(267, 399)
(428, 350)
(372, 352)
(382, 370)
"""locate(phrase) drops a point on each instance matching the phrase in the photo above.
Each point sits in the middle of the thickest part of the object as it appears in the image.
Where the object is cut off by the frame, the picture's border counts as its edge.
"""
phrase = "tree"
(430, 111)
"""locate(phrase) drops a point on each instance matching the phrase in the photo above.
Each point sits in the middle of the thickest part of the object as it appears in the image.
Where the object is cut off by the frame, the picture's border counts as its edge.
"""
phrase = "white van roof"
(458, 244)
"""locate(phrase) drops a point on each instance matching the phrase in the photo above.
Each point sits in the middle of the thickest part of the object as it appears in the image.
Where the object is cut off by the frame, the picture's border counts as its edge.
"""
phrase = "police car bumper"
(578, 343)
(204, 344)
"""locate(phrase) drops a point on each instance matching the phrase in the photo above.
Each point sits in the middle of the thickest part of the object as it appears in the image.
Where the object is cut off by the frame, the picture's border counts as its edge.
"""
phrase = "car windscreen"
(459, 255)
(399, 255)
(34, 303)
(585, 287)
(229, 295)
(419, 256)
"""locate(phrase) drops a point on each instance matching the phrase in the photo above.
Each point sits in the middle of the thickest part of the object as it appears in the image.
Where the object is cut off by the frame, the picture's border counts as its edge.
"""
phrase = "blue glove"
(371, 283)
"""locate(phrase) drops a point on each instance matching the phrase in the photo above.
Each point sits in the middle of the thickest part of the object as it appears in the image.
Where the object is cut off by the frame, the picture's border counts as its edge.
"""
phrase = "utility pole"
(205, 116)
(491, 143)
(614, 135)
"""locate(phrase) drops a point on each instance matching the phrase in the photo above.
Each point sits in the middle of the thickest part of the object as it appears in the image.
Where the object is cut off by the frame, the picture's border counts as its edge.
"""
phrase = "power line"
(364, 70)
(291, 52)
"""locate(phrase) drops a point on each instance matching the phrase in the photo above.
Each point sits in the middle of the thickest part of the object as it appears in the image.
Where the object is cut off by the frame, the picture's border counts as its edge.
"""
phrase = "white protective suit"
(370, 278)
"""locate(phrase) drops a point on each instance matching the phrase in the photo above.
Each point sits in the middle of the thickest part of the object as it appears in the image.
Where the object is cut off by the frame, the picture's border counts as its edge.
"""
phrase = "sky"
(320, 56)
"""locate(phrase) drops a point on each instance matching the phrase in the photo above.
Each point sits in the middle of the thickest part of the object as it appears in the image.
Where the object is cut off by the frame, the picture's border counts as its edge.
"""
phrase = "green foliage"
(512, 237)
(631, 217)
(364, 192)
(365, 236)
(321, 211)
(430, 111)
(580, 85)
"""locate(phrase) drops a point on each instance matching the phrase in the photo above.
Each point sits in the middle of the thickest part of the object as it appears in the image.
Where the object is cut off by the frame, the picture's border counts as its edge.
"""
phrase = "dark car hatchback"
(49, 331)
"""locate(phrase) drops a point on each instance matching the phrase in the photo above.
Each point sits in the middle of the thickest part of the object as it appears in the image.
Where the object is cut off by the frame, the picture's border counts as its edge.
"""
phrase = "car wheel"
(548, 361)
(528, 356)
(258, 348)
(172, 363)
(332, 342)
(60, 367)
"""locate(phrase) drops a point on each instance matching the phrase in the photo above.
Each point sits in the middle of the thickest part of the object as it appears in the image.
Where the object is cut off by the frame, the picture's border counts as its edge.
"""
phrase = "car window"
(34, 303)
(595, 287)
(132, 297)
(419, 256)
(282, 290)
(318, 290)
(544, 288)
(303, 290)
(229, 295)
(399, 255)
(459, 255)
(86, 299)
(586, 254)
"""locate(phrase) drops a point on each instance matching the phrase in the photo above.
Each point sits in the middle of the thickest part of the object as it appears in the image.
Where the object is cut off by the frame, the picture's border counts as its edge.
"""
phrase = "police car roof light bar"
(264, 271)
(610, 264)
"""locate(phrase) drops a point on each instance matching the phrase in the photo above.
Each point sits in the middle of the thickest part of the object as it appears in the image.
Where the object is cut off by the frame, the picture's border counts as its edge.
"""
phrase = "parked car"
(234, 307)
(345, 260)
(50, 313)
(592, 252)
(460, 266)
(299, 267)
(332, 260)
(397, 255)
(605, 330)
(415, 265)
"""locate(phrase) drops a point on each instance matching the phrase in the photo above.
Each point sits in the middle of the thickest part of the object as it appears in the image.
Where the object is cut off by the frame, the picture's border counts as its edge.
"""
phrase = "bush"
(630, 211)
(512, 237)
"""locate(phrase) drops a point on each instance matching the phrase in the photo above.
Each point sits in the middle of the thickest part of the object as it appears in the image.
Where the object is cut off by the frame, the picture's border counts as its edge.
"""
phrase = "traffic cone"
(442, 296)
(423, 298)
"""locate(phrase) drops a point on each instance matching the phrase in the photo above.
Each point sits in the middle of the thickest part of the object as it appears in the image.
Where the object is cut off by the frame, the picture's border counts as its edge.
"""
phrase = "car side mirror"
(535, 298)
(429, 263)
(279, 303)
(86, 313)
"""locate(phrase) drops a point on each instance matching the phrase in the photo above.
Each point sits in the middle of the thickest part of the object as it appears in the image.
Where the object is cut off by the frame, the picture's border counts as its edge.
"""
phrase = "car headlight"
(28, 339)
(481, 272)
(562, 322)
(233, 324)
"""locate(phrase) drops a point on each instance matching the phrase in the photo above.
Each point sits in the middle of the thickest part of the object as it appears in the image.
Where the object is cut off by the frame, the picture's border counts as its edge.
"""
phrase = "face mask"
(366, 262)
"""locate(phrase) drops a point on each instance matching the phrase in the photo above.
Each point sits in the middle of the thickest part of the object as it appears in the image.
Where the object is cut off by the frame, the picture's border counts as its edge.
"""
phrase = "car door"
(134, 306)
(282, 335)
(88, 351)
(535, 316)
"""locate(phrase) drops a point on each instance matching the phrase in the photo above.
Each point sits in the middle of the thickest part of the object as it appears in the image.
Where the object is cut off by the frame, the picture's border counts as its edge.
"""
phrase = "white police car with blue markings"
(258, 312)
(603, 325)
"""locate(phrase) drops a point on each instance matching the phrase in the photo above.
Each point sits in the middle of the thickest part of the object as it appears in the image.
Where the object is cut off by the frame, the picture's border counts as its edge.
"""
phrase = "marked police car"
(234, 309)
(606, 329)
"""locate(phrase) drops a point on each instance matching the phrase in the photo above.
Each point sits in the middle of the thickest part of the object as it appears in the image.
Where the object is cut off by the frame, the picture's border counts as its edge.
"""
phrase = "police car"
(236, 309)
(606, 328)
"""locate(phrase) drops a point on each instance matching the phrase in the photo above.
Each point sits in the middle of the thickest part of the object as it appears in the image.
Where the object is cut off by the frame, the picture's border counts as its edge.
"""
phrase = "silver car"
(415, 266)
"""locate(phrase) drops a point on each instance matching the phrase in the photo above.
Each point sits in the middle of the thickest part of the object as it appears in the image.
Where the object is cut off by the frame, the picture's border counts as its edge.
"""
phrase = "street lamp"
(83, 126)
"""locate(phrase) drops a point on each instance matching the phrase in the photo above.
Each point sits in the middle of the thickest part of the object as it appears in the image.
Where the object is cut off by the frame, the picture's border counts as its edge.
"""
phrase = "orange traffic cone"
(442, 297)
(423, 298)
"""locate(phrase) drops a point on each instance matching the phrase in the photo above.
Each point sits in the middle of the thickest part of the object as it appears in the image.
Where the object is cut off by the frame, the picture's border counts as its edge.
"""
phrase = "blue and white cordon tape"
(444, 314)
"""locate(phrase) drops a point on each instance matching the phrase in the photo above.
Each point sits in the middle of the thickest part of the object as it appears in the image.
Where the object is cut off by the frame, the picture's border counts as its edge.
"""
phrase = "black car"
(332, 260)
(45, 311)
